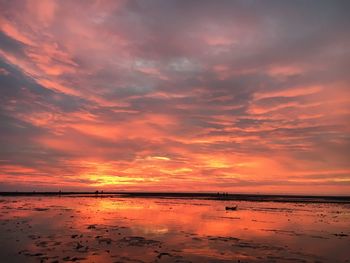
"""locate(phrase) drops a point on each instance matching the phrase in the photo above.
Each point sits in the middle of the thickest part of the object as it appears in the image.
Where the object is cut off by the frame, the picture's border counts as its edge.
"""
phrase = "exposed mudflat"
(115, 229)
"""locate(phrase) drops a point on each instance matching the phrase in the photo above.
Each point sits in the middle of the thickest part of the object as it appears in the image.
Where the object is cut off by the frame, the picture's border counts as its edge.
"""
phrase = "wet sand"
(116, 228)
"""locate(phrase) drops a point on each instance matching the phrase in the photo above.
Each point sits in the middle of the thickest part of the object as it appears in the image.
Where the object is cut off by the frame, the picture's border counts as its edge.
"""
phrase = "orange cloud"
(130, 97)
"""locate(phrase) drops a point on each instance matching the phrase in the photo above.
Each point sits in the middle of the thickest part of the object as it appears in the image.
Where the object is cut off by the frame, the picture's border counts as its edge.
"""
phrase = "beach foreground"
(120, 229)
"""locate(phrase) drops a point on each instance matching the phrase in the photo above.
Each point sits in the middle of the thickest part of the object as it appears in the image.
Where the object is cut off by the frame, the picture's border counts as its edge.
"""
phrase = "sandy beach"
(120, 229)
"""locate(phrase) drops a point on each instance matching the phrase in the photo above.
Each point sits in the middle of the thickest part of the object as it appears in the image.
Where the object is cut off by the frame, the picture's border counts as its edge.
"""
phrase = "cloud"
(237, 95)
(10, 45)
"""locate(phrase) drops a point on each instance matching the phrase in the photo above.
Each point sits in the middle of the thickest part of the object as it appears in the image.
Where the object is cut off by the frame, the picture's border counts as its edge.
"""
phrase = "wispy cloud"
(243, 96)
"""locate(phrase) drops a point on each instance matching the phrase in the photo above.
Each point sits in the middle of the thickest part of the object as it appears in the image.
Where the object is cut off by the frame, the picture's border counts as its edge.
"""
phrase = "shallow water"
(90, 229)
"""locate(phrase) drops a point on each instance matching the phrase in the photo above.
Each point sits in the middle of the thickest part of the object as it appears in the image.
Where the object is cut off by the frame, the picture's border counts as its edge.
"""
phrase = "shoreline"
(163, 228)
(197, 196)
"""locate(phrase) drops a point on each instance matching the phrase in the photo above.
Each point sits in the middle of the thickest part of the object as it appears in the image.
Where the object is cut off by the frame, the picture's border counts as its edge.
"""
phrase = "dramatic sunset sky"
(236, 96)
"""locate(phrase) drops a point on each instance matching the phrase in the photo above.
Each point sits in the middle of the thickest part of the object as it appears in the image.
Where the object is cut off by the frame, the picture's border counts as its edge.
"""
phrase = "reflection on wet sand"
(89, 229)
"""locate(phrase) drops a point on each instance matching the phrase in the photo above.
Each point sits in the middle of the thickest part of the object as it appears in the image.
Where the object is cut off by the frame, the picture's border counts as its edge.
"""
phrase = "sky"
(231, 96)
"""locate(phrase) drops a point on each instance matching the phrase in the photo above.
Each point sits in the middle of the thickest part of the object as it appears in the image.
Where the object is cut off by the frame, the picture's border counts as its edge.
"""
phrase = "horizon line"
(160, 193)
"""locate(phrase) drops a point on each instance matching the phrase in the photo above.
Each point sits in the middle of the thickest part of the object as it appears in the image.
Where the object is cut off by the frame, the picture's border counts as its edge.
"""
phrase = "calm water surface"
(88, 229)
